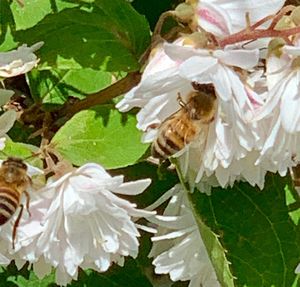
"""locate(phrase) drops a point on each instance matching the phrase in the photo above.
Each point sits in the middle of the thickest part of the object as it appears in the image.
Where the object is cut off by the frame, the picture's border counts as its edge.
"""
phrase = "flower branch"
(252, 33)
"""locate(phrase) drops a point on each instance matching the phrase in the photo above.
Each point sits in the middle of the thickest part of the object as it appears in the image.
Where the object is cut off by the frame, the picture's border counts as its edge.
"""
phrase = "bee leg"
(14, 233)
(27, 201)
(180, 101)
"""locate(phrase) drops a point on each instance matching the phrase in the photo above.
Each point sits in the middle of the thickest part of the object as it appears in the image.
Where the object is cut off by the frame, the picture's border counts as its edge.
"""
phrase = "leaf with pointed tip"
(261, 240)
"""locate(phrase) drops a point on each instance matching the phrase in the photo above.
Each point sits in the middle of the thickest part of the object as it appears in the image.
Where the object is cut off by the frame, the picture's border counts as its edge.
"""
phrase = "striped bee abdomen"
(9, 202)
(172, 137)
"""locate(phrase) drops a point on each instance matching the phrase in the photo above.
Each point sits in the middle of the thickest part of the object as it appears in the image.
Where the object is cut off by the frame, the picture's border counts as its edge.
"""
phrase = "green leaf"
(107, 35)
(32, 281)
(34, 11)
(101, 135)
(23, 151)
(55, 86)
(261, 240)
(214, 248)
(131, 275)
(7, 25)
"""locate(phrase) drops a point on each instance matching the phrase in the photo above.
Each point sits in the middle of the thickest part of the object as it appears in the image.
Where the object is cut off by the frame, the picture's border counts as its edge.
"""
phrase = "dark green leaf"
(55, 86)
(106, 35)
(255, 228)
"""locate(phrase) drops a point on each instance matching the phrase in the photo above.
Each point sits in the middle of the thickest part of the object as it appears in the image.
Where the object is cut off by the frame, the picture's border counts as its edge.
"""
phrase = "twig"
(116, 89)
(257, 34)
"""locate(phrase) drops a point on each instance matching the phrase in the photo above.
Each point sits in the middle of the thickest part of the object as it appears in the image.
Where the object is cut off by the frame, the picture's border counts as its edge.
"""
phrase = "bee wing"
(193, 152)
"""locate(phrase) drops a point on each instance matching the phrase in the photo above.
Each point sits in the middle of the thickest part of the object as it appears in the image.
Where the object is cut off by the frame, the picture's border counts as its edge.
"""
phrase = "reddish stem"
(256, 34)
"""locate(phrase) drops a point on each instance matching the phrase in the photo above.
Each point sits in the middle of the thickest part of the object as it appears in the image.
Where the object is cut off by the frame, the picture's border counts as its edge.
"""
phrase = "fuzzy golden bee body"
(182, 127)
(14, 182)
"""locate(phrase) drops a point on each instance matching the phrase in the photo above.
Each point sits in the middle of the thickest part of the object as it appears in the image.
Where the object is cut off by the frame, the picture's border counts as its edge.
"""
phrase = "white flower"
(297, 270)
(18, 61)
(227, 17)
(81, 222)
(233, 142)
(280, 112)
(178, 249)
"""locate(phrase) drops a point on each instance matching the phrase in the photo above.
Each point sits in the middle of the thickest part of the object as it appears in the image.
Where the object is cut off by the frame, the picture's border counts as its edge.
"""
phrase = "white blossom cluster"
(257, 123)
(256, 127)
(80, 220)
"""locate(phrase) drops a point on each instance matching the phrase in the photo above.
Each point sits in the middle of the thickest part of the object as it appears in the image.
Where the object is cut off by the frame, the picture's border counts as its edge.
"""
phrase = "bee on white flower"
(232, 144)
(80, 221)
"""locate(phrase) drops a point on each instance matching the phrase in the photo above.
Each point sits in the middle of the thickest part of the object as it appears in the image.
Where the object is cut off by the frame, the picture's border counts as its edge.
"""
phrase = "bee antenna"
(32, 155)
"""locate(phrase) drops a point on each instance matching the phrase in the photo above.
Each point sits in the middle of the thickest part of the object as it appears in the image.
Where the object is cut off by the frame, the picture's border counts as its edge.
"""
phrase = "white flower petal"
(7, 121)
(181, 252)
(18, 61)
(5, 95)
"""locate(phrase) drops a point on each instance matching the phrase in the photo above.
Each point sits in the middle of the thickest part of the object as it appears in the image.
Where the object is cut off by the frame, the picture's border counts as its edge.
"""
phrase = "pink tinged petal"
(159, 62)
(237, 10)
(290, 104)
(245, 59)
(213, 19)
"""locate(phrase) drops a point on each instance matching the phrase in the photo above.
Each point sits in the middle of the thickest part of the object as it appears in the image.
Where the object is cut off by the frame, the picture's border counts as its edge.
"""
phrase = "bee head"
(201, 106)
(14, 162)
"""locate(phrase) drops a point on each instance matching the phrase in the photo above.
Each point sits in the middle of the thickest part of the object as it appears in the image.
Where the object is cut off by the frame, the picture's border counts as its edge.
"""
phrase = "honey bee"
(14, 182)
(182, 127)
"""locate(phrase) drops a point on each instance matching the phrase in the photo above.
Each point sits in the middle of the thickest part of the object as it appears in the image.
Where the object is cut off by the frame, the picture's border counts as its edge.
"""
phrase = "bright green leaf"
(100, 135)
(21, 150)
(34, 11)
(32, 281)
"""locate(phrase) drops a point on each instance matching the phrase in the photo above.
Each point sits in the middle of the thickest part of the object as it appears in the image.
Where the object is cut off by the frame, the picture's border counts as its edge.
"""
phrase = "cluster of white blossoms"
(256, 126)
(78, 220)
